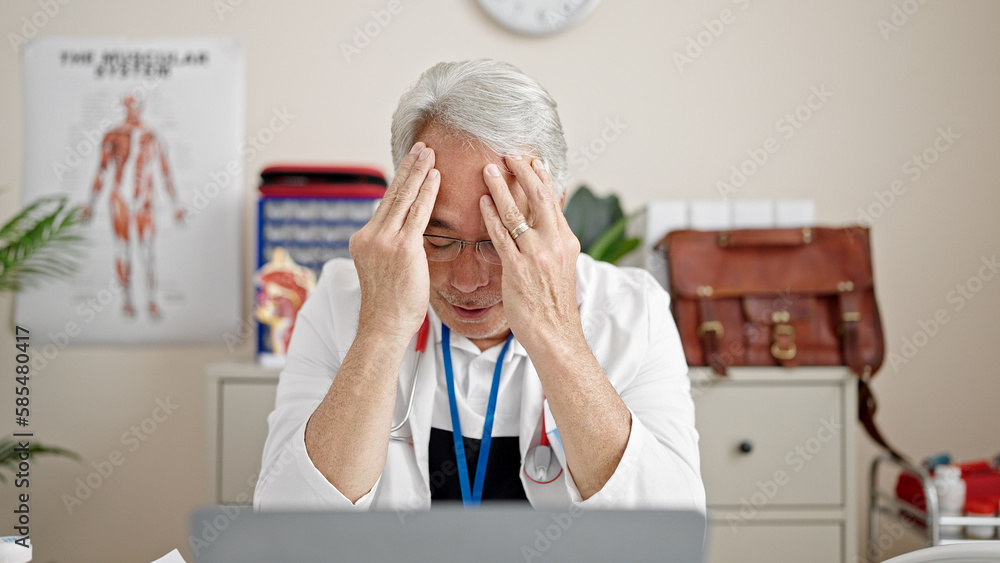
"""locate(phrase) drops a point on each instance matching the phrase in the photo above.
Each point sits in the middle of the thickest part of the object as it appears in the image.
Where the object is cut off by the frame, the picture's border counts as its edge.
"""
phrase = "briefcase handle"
(765, 237)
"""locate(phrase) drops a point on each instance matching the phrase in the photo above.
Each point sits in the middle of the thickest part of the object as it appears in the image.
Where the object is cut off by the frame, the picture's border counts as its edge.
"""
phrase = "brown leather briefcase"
(786, 297)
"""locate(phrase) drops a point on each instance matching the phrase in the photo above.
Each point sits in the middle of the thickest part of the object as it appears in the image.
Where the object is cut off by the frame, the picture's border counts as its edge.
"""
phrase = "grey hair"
(492, 102)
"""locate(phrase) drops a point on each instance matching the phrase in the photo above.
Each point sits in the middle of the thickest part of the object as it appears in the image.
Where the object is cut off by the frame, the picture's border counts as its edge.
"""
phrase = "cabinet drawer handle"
(746, 446)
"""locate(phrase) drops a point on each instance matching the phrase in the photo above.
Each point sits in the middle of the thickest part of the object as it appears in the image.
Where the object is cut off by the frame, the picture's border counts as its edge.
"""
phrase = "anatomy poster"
(146, 136)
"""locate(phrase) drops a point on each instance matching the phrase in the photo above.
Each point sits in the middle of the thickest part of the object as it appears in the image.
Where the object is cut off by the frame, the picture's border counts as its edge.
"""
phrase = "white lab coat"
(628, 325)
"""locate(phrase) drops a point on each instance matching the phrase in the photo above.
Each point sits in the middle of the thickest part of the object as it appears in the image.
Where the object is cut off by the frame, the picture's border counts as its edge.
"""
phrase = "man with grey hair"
(469, 351)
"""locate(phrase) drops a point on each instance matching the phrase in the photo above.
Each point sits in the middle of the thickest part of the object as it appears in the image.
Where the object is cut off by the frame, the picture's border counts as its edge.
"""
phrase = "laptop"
(228, 534)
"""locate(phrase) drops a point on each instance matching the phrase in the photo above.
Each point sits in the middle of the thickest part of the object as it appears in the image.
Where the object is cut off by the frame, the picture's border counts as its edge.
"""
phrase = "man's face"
(466, 292)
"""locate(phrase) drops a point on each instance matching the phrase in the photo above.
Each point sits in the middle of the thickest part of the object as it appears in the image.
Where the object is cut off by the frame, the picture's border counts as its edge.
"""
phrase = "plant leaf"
(608, 239)
(28, 217)
(590, 217)
(44, 240)
(613, 244)
(621, 249)
(9, 456)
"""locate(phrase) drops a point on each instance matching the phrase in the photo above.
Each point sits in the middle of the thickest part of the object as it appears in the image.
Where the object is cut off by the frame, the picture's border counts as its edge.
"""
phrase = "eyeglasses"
(446, 249)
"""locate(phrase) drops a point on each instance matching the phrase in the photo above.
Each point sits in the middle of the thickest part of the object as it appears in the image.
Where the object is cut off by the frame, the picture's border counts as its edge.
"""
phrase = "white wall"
(685, 129)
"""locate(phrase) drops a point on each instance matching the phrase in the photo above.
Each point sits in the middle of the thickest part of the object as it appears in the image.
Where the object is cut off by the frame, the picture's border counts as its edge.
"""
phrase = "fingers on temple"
(538, 165)
(498, 231)
(549, 194)
(402, 174)
(539, 194)
(521, 200)
(506, 207)
(406, 192)
(420, 210)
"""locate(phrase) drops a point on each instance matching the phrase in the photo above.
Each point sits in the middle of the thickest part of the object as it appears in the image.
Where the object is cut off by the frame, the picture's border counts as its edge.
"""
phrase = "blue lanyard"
(474, 497)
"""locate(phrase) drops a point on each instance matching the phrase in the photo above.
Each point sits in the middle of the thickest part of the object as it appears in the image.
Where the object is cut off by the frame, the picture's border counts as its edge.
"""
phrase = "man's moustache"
(479, 302)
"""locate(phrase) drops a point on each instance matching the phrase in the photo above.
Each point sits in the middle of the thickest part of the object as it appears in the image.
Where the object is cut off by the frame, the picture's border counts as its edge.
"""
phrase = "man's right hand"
(347, 436)
(389, 253)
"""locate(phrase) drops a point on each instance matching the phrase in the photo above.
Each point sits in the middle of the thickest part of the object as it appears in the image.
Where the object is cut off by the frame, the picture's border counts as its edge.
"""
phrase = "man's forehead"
(456, 209)
(461, 161)
(453, 147)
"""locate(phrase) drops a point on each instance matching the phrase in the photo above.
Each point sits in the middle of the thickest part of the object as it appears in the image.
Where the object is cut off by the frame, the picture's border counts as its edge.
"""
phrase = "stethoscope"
(541, 459)
(540, 462)
(420, 347)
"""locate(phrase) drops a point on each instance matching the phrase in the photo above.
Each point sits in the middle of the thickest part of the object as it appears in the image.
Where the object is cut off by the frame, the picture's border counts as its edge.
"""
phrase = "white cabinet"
(240, 396)
(779, 542)
(777, 458)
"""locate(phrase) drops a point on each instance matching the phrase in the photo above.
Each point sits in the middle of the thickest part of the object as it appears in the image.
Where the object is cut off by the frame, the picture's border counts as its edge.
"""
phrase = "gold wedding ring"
(519, 229)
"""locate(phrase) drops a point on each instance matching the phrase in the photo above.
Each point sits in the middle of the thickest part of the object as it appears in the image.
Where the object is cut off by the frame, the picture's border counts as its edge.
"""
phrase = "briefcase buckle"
(783, 332)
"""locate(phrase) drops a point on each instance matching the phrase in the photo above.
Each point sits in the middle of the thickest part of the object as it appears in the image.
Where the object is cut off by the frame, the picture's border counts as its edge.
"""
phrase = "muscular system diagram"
(131, 155)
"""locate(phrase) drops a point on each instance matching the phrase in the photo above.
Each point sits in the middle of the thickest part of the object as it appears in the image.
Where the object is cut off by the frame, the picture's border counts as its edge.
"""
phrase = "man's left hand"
(539, 298)
(539, 267)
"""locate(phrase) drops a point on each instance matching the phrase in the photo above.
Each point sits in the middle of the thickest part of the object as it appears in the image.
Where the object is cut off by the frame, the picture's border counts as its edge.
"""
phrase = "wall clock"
(538, 17)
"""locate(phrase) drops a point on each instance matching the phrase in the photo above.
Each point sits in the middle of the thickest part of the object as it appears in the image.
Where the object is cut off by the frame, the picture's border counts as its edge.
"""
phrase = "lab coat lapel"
(423, 404)
(531, 409)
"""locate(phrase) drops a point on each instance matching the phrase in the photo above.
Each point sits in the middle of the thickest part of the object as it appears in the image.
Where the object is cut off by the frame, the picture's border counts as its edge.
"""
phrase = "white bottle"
(951, 496)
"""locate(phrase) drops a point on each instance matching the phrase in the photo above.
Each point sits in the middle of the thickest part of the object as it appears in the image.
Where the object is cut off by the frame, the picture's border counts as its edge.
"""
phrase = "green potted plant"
(599, 224)
(41, 242)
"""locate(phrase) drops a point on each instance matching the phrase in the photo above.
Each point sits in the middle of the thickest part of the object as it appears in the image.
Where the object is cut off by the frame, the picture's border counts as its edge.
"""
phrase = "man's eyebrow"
(439, 224)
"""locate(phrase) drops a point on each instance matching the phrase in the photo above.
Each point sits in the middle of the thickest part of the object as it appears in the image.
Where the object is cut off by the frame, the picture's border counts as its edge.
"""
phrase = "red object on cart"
(982, 484)
(987, 507)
